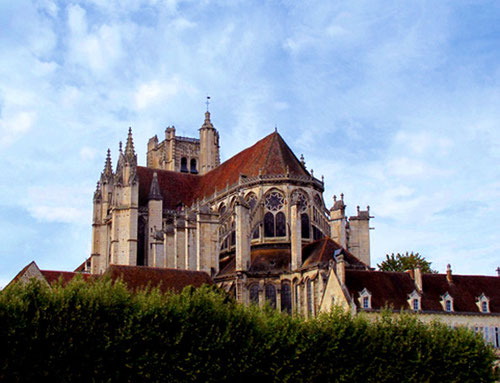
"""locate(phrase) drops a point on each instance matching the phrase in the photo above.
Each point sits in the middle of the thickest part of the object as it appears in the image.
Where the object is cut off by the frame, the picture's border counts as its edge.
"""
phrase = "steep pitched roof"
(175, 187)
(52, 276)
(388, 289)
(464, 289)
(391, 289)
(140, 277)
(269, 156)
(322, 251)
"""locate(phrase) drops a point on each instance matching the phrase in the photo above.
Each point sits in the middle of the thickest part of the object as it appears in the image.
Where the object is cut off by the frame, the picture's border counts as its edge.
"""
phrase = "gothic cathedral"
(257, 223)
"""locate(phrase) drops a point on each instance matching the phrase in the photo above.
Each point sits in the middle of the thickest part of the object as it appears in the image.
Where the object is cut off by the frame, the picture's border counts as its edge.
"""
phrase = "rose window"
(274, 201)
(301, 199)
(251, 200)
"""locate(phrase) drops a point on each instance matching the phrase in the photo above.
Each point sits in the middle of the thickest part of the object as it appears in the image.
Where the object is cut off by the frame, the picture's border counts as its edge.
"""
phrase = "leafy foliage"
(407, 261)
(99, 331)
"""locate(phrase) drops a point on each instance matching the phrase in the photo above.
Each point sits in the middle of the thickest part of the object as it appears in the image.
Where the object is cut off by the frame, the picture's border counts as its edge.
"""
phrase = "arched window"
(297, 295)
(304, 221)
(184, 165)
(280, 225)
(274, 219)
(286, 297)
(251, 199)
(269, 225)
(222, 209)
(254, 293)
(271, 295)
(193, 166)
(309, 298)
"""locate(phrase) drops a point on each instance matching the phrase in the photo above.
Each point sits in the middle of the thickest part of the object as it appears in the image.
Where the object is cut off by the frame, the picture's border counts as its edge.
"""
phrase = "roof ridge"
(324, 247)
(274, 134)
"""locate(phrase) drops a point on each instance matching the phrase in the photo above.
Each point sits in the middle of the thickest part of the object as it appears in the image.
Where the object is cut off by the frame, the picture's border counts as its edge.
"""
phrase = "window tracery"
(274, 201)
(301, 198)
(251, 199)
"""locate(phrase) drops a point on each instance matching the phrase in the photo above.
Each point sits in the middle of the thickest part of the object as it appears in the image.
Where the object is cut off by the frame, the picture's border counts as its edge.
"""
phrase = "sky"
(396, 103)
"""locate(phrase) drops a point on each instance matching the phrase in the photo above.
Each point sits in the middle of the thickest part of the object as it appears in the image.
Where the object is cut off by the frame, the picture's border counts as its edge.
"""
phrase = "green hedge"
(101, 332)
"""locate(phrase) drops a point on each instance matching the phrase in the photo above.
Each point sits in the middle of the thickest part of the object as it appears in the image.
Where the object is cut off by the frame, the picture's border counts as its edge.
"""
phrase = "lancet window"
(274, 219)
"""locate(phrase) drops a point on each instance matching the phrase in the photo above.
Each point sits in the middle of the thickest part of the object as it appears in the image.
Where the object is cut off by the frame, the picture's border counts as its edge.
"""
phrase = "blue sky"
(396, 103)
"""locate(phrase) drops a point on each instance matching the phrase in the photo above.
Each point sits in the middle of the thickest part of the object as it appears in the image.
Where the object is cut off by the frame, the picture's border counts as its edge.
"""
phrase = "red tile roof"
(140, 277)
(388, 289)
(270, 156)
(66, 276)
(322, 250)
(392, 289)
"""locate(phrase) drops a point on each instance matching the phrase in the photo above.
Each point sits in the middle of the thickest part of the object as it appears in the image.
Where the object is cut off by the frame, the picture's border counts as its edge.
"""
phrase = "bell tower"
(209, 146)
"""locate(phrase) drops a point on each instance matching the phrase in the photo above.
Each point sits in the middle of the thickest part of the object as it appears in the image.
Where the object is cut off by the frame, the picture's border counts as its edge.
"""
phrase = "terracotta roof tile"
(140, 277)
(393, 288)
(52, 276)
(271, 156)
(388, 289)
(322, 250)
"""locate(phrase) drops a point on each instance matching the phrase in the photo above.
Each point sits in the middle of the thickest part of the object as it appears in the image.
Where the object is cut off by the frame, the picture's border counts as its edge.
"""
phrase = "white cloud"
(14, 126)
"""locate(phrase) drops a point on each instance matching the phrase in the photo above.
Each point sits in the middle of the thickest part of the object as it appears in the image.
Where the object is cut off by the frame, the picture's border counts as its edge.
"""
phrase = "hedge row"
(101, 332)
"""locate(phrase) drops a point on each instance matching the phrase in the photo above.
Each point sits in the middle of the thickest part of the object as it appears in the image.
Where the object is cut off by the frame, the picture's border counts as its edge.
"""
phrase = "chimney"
(340, 268)
(418, 279)
(498, 271)
(448, 274)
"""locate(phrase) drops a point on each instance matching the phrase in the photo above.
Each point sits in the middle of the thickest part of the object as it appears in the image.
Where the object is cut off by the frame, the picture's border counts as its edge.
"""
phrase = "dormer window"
(365, 299)
(414, 301)
(447, 302)
(483, 303)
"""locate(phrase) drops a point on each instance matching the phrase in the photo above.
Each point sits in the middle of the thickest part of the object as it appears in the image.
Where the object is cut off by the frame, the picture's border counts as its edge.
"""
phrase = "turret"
(359, 235)
(338, 221)
(209, 146)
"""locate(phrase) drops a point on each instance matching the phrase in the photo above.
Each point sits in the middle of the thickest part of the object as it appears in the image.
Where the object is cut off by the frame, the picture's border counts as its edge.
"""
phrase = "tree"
(407, 261)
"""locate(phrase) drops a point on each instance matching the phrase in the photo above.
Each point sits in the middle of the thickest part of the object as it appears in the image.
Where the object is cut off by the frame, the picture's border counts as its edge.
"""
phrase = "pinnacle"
(154, 191)
(108, 170)
(129, 148)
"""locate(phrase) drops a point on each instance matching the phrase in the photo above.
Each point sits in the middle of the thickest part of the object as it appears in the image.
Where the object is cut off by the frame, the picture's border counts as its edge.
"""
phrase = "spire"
(129, 148)
(154, 190)
(108, 169)
(97, 193)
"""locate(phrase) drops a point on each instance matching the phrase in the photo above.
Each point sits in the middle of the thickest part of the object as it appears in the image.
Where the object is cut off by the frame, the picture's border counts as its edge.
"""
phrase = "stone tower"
(209, 146)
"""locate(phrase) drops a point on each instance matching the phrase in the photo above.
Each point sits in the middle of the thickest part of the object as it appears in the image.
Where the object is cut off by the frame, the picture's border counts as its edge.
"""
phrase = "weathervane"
(208, 102)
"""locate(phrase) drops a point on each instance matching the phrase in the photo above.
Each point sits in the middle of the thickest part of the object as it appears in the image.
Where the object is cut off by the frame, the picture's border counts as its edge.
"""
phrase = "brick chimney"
(449, 277)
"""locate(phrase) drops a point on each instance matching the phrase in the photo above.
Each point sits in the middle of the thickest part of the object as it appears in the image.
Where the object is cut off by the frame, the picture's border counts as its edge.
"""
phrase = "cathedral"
(257, 226)
(256, 223)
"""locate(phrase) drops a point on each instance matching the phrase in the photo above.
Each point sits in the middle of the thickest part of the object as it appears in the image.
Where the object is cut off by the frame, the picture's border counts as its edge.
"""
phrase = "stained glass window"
(274, 201)
(304, 221)
(269, 225)
(309, 298)
(271, 295)
(301, 198)
(280, 225)
(252, 200)
(286, 297)
(254, 293)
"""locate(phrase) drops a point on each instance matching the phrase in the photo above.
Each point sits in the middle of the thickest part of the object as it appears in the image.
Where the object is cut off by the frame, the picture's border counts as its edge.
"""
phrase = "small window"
(366, 302)
(280, 225)
(484, 307)
(184, 165)
(193, 166)
(448, 305)
(416, 305)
